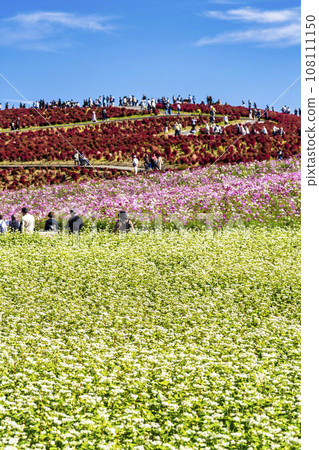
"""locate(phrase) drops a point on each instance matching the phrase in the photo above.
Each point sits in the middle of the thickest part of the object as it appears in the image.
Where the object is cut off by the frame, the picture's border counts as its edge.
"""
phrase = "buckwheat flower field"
(267, 191)
(154, 340)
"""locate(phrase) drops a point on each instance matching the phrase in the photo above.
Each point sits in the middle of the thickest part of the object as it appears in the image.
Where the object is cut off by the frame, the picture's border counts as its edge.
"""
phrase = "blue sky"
(230, 49)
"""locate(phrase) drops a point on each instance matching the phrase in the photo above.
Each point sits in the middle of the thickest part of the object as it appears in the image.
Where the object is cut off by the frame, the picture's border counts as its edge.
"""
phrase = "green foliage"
(151, 341)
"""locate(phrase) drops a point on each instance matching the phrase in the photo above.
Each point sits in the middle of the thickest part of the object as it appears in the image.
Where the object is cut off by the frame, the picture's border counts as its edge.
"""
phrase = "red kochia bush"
(119, 141)
(30, 117)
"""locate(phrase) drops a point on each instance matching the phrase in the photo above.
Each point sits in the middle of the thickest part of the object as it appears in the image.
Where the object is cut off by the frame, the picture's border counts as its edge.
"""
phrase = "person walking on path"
(75, 223)
(135, 165)
(146, 162)
(51, 224)
(178, 129)
(226, 119)
(280, 154)
(178, 107)
(94, 117)
(27, 222)
(193, 129)
(76, 158)
(104, 115)
(3, 225)
(155, 164)
(152, 162)
(160, 162)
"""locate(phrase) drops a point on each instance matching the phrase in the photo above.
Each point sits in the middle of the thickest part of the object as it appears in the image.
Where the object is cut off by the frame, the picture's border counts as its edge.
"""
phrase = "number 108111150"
(310, 47)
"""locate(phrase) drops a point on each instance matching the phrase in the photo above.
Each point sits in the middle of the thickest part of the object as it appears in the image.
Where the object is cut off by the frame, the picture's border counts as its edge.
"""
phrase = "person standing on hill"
(155, 164)
(104, 115)
(76, 158)
(226, 119)
(94, 117)
(178, 107)
(178, 129)
(280, 154)
(146, 162)
(135, 165)
(27, 222)
(160, 162)
(193, 129)
(152, 162)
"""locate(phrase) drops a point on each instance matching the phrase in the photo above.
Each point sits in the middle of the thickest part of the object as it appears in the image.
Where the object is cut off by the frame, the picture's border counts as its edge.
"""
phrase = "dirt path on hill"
(99, 122)
(66, 166)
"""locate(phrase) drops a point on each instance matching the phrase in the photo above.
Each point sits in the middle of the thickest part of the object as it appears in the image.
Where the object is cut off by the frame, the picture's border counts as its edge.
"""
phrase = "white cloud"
(69, 20)
(256, 15)
(275, 36)
(47, 31)
(283, 35)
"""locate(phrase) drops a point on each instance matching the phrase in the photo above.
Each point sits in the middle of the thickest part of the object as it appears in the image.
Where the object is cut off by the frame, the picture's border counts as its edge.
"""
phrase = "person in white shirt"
(135, 165)
(160, 162)
(27, 222)
(3, 225)
(178, 107)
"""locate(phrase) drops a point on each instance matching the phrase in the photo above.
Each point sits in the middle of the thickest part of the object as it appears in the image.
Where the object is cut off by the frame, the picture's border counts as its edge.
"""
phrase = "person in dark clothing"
(51, 224)
(146, 162)
(75, 223)
(104, 115)
(14, 224)
(152, 162)
(83, 160)
(280, 154)
(124, 223)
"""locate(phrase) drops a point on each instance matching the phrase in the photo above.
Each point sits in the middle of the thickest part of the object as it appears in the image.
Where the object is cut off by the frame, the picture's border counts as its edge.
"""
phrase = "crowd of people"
(145, 103)
(80, 159)
(74, 224)
(27, 223)
(151, 162)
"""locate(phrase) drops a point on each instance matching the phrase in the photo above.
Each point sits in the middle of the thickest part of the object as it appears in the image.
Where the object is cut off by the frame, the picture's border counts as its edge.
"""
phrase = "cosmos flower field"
(263, 192)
